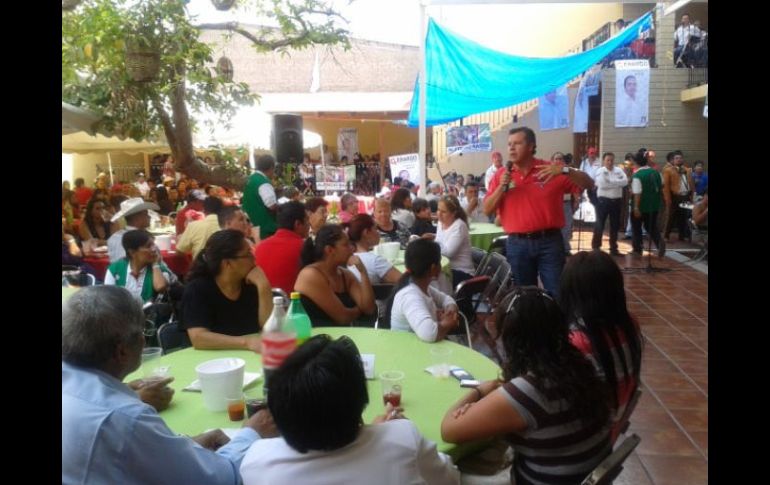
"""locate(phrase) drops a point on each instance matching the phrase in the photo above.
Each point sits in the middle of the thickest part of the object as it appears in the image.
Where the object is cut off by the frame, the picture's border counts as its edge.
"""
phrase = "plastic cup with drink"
(441, 356)
(392, 385)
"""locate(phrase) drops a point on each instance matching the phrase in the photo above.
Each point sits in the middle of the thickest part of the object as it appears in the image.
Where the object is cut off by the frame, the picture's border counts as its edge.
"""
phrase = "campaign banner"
(468, 138)
(553, 108)
(330, 177)
(407, 167)
(347, 143)
(589, 86)
(632, 93)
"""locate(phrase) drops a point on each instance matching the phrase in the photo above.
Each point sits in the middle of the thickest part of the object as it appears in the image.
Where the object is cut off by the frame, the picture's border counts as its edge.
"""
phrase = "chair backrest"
(477, 255)
(171, 337)
(498, 245)
(606, 471)
(625, 420)
(470, 287)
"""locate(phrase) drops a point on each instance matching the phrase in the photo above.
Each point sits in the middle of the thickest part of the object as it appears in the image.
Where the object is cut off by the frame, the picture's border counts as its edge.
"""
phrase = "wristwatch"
(566, 170)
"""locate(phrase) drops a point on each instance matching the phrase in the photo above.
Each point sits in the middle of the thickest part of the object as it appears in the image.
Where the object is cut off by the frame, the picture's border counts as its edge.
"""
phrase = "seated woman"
(142, 271)
(390, 230)
(423, 222)
(551, 406)
(227, 297)
(317, 398)
(96, 226)
(454, 238)
(416, 306)
(348, 207)
(593, 298)
(331, 294)
(362, 231)
(317, 213)
(401, 205)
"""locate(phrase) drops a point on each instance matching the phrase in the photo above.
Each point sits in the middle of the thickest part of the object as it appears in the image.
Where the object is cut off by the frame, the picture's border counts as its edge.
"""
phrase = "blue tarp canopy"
(465, 78)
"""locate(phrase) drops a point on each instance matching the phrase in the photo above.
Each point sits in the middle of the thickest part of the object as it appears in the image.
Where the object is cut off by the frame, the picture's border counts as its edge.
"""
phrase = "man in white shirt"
(610, 181)
(322, 437)
(632, 110)
(497, 164)
(473, 204)
(590, 165)
(135, 210)
(434, 194)
(684, 35)
(141, 185)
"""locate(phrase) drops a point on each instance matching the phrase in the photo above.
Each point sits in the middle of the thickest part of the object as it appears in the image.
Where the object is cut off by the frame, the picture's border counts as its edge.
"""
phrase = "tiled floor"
(672, 415)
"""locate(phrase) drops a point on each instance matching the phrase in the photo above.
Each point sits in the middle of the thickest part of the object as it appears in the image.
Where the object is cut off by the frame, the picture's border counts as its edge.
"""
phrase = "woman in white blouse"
(454, 238)
(416, 306)
(401, 205)
(362, 231)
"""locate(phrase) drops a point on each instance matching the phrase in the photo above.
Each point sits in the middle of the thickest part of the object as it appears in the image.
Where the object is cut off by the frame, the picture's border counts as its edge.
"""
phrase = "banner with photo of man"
(330, 177)
(589, 86)
(406, 167)
(553, 108)
(347, 143)
(468, 138)
(632, 93)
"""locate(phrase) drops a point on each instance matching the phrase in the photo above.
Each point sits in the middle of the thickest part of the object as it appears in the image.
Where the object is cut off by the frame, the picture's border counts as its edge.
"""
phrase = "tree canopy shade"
(111, 49)
(465, 78)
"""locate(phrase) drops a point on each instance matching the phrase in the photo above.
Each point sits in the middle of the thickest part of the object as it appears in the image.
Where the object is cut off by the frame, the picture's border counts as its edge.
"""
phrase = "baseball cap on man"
(132, 206)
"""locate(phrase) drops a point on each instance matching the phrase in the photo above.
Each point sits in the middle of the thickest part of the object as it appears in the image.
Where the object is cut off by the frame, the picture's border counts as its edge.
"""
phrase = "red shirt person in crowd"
(528, 197)
(194, 203)
(279, 254)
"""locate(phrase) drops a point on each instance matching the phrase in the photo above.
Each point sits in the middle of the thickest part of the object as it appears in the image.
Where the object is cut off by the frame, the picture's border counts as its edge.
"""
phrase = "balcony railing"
(697, 76)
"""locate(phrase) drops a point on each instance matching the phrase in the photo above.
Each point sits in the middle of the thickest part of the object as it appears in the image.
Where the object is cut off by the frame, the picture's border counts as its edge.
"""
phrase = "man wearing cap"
(259, 200)
(528, 199)
(194, 203)
(198, 232)
(135, 212)
(142, 185)
(497, 164)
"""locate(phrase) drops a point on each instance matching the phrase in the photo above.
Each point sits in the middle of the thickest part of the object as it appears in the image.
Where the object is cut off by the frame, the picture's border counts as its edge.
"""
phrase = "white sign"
(406, 167)
(329, 177)
(553, 108)
(632, 92)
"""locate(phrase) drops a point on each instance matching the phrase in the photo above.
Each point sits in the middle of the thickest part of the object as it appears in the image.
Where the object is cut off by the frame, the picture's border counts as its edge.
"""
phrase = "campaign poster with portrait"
(553, 108)
(632, 93)
(468, 138)
(589, 86)
(330, 177)
(347, 143)
(407, 167)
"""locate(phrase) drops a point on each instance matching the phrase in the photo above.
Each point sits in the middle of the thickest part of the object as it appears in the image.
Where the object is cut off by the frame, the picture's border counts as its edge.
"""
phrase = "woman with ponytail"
(227, 296)
(415, 305)
(331, 294)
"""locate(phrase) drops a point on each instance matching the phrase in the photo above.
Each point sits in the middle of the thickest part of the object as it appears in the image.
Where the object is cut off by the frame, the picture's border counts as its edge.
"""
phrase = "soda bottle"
(279, 339)
(298, 317)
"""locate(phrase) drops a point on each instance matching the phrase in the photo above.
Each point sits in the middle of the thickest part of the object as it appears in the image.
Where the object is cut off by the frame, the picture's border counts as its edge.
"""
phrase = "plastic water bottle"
(279, 339)
(299, 318)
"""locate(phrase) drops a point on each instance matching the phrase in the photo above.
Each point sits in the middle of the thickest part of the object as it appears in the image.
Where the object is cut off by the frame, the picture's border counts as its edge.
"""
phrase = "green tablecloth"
(425, 398)
(66, 292)
(483, 233)
(400, 265)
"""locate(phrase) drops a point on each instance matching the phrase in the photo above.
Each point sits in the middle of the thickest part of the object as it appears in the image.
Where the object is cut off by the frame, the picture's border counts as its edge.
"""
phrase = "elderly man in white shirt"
(610, 181)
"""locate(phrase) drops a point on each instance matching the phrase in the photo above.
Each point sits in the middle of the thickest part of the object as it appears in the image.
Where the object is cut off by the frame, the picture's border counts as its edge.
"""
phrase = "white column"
(423, 73)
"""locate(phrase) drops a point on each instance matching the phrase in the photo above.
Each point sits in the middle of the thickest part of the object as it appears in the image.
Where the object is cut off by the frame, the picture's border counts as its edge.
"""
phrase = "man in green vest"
(646, 186)
(259, 200)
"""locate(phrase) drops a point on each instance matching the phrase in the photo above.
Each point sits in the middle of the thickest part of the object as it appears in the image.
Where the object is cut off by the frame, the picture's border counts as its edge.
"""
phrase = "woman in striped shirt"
(551, 406)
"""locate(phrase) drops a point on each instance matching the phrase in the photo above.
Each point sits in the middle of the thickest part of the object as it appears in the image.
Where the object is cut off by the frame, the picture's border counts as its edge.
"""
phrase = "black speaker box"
(287, 138)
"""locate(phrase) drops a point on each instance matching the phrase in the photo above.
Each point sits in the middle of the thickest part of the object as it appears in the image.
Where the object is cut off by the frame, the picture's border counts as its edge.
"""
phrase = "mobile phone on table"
(460, 374)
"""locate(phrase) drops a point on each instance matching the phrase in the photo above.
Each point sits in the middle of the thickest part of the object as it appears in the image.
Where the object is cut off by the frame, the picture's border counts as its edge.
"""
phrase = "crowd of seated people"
(582, 351)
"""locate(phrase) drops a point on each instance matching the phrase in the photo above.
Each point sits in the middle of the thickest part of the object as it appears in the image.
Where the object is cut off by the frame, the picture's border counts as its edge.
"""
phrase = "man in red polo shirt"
(528, 196)
(279, 254)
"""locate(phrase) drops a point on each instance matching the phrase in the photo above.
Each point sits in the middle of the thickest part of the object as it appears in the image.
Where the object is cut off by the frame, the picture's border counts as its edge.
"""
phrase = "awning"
(81, 142)
(336, 102)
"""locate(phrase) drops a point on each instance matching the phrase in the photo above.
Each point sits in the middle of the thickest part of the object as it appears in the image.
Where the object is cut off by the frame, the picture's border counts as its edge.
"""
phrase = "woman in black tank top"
(331, 294)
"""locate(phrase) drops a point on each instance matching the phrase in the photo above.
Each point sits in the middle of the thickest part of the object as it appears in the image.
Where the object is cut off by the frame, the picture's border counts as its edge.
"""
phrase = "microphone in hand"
(508, 167)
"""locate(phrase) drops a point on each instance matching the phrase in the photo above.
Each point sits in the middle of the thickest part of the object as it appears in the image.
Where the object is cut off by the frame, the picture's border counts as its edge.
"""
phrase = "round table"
(425, 398)
(483, 233)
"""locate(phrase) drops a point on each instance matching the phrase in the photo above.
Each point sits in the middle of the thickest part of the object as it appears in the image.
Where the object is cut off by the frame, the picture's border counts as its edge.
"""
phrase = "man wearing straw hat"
(135, 210)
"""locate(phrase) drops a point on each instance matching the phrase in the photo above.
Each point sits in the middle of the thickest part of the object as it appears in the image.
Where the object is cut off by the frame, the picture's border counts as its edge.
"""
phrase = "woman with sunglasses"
(142, 271)
(227, 296)
(331, 294)
(593, 298)
(551, 407)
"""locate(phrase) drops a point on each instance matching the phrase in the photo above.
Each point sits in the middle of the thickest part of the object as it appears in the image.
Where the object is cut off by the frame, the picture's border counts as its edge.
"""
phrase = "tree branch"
(263, 43)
